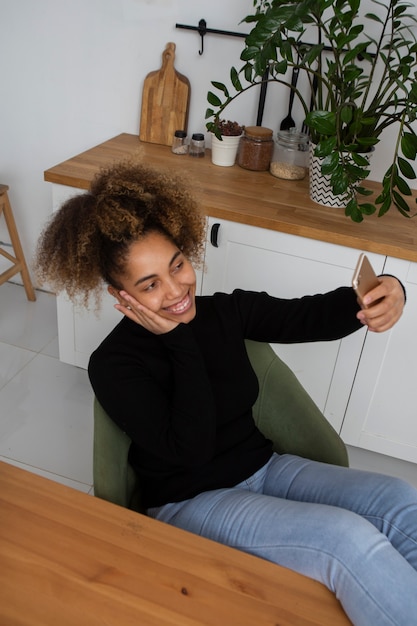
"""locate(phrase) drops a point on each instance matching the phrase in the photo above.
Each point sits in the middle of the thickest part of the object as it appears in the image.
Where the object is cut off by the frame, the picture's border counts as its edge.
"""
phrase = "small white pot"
(224, 152)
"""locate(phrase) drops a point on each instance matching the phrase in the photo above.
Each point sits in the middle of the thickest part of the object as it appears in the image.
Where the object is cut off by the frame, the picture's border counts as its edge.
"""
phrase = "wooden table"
(67, 558)
(254, 198)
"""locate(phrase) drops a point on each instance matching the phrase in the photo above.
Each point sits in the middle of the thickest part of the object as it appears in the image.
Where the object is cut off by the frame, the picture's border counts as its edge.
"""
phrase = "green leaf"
(346, 114)
(281, 66)
(368, 121)
(330, 163)
(352, 211)
(234, 77)
(399, 9)
(351, 73)
(385, 200)
(409, 146)
(324, 122)
(375, 18)
(269, 53)
(364, 191)
(402, 186)
(327, 146)
(367, 141)
(356, 30)
(213, 99)
(354, 5)
(349, 207)
(249, 53)
(386, 181)
(312, 55)
(340, 181)
(221, 87)
(248, 72)
(367, 208)
(406, 168)
(356, 52)
(399, 202)
(359, 159)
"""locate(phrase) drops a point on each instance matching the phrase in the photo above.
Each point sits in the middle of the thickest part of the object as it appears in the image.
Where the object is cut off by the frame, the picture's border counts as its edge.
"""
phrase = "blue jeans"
(354, 531)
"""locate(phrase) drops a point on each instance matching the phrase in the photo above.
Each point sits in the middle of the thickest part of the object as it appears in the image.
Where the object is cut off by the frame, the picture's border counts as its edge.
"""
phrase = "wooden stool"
(19, 263)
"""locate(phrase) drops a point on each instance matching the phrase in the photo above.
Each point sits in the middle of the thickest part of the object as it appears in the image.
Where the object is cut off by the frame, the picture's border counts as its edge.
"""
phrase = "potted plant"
(224, 128)
(362, 69)
(224, 141)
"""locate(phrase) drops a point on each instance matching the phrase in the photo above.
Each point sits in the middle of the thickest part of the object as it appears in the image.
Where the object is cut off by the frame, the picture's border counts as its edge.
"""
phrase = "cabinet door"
(382, 411)
(247, 257)
(81, 330)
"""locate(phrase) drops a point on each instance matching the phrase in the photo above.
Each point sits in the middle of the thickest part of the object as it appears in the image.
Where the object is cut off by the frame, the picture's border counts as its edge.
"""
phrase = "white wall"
(72, 75)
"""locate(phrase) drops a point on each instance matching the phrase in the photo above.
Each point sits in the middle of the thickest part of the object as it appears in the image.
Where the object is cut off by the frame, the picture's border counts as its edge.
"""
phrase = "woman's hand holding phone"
(381, 297)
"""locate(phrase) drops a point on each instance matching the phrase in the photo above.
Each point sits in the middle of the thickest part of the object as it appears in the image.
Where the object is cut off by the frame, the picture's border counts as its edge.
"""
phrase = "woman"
(175, 376)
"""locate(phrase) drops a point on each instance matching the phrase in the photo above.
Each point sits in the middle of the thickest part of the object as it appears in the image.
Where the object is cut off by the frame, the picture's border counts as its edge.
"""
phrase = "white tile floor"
(46, 420)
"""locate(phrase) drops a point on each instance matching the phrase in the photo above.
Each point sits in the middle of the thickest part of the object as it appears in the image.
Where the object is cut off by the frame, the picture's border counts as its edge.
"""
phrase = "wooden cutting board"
(165, 101)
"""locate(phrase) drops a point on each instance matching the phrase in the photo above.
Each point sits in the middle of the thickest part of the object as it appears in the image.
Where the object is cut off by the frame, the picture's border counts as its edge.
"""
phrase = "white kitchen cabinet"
(365, 384)
(382, 410)
(247, 257)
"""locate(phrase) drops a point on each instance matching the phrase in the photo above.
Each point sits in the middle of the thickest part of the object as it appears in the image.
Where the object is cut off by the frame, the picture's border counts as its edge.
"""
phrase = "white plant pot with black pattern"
(320, 187)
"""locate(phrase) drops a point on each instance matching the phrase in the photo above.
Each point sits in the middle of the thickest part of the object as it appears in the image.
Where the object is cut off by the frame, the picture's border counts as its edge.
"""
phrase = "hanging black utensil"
(305, 128)
(288, 121)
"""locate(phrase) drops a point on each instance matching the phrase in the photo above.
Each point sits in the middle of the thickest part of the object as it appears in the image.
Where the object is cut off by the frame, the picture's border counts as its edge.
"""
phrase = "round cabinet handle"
(214, 235)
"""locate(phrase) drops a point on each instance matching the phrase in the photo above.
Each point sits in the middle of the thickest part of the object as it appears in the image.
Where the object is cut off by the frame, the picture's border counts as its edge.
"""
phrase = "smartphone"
(364, 278)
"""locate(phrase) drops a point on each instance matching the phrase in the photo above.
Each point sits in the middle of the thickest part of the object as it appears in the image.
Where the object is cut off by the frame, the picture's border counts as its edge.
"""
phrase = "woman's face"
(161, 278)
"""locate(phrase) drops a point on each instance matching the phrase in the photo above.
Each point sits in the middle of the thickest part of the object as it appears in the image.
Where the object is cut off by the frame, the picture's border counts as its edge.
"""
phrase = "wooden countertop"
(254, 198)
(69, 559)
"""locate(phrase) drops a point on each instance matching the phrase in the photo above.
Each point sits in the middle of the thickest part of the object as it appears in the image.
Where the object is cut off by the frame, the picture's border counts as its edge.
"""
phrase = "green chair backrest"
(287, 415)
(284, 413)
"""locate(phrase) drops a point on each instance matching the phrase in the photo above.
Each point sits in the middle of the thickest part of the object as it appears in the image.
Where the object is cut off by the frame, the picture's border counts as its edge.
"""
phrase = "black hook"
(202, 29)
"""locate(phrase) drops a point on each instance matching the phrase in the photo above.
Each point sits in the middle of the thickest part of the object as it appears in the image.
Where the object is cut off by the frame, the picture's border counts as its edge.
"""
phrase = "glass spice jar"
(197, 145)
(290, 158)
(255, 148)
(179, 145)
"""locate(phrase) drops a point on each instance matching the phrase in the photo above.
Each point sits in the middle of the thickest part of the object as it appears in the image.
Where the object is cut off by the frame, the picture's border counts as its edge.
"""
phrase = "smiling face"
(161, 278)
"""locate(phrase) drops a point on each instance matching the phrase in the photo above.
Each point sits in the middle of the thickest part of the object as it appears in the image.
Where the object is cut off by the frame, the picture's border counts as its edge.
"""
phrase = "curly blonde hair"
(88, 239)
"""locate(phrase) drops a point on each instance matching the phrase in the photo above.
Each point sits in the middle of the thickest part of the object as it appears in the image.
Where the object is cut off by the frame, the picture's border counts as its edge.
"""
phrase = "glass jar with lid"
(197, 145)
(290, 157)
(255, 148)
(179, 142)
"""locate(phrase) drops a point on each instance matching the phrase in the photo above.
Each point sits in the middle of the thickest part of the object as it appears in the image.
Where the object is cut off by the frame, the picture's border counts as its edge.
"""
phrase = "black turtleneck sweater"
(185, 397)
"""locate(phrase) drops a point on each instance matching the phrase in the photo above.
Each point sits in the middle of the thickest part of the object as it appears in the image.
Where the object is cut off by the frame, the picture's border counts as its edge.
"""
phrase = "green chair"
(284, 412)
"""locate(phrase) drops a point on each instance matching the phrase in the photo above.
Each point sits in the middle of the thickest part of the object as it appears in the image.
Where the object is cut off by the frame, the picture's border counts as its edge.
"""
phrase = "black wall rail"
(203, 30)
